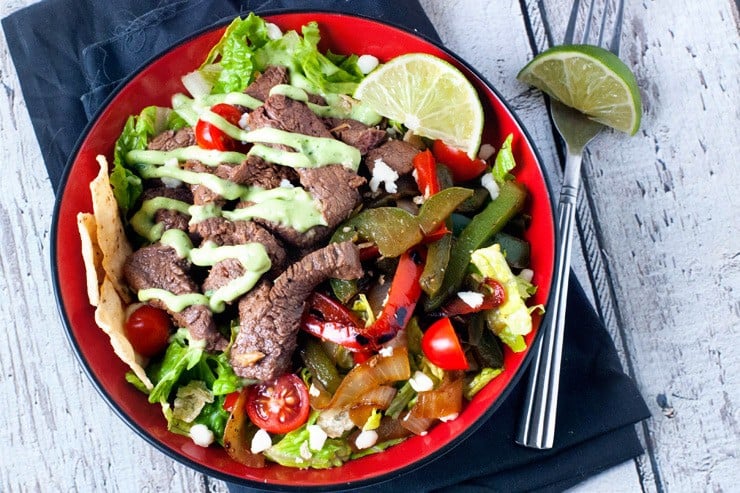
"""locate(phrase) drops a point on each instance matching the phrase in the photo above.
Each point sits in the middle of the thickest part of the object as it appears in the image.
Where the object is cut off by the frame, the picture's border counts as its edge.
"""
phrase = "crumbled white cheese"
(304, 451)
(314, 391)
(335, 422)
(243, 121)
(386, 352)
(316, 437)
(420, 382)
(527, 274)
(366, 439)
(367, 63)
(449, 417)
(471, 298)
(486, 151)
(261, 441)
(201, 435)
(285, 183)
(273, 31)
(489, 184)
(382, 173)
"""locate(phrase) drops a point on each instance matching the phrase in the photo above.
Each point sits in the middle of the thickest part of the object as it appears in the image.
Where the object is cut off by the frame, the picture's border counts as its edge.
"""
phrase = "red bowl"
(153, 85)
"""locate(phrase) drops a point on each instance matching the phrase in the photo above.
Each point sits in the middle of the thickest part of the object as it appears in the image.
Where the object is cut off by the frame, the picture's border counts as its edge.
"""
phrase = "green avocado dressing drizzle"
(252, 257)
(143, 221)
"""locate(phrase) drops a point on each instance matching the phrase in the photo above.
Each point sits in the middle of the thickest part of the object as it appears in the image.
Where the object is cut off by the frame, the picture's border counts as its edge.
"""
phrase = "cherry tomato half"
(209, 136)
(148, 329)
(459, 163)
(441, 345)
(280, 405)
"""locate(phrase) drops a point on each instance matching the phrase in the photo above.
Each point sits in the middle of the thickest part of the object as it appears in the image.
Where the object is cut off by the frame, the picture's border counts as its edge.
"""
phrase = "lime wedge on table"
(429, 96)
(590, 79)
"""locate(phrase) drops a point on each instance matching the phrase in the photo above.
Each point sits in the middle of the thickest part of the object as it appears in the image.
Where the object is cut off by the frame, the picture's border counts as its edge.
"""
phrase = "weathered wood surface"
(658, 227)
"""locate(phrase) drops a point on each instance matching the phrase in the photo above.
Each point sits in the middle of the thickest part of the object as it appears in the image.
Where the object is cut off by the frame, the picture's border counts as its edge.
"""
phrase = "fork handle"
(537, 426)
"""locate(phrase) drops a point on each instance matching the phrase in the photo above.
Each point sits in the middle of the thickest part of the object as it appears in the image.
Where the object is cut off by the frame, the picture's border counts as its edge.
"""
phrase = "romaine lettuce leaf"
(179, 357)
(293, 450)
(511, 320)
(137, 132)
(245, 49)
(504, 162)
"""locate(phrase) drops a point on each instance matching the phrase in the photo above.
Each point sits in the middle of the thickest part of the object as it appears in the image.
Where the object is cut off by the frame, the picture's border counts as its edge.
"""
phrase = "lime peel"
(429, 96)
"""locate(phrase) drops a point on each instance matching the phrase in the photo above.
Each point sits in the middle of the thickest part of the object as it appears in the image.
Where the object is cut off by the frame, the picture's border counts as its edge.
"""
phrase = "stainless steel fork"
(537, 426)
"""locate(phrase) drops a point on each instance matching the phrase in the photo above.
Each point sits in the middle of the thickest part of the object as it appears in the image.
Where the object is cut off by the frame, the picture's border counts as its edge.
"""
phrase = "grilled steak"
(287, 114)
(159, 266)
(270, 315)
(397, 154)
(173, 139)
(271, 77)
(170, 219)
(356, 134)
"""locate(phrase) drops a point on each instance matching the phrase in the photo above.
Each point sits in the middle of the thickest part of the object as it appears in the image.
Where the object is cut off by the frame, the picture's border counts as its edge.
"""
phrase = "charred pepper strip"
(438, 255)
(488, 222)
(320, 365)
(332, 321)
(402, 298)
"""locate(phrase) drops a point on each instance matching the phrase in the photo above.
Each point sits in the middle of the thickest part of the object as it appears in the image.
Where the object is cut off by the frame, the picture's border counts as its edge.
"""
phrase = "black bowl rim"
(384, 477)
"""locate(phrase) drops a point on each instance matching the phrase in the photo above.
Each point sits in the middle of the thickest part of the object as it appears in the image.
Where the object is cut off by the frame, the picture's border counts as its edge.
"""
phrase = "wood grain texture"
(660, 252)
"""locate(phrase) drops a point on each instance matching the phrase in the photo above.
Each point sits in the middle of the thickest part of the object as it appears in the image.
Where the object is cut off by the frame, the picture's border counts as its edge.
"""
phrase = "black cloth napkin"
(70, 55)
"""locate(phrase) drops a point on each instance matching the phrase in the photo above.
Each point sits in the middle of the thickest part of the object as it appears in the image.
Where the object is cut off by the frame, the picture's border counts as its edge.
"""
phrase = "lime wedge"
(590, 79)
(429, 96)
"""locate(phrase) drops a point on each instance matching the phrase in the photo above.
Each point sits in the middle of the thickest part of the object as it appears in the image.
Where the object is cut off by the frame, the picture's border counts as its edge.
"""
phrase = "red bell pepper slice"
(428, 182)
(402, 298)
(495, 298)
(459, 163)
(328, 319)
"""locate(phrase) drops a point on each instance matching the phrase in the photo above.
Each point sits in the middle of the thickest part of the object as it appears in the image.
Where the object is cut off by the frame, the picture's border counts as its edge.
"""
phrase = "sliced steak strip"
(202, 195)
(397, 154)
(271, 77)
(159, 266)
(287, 114)
(222, 273)
(172, 139)
(270, 316)
(356, 134)
(334, 187)
(257, 172)
(170, 219)
(224, 232)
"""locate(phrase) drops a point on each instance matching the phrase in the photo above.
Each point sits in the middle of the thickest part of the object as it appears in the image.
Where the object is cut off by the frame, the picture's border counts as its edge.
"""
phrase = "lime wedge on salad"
(429, 96)
(590, 79)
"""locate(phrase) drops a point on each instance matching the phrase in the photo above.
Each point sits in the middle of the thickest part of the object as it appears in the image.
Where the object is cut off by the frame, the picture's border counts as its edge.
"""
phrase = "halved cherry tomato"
(230, 400)
(209, 136)
(148, 330)
(441, 345)
(280, 405)
(459, 163)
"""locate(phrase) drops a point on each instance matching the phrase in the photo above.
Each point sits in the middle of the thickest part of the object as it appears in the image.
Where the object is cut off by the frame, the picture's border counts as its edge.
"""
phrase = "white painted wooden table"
(660, 247)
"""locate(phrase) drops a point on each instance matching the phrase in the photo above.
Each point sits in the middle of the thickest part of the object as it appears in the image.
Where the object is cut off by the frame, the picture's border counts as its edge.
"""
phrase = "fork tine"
(589, 21)
(570, 30)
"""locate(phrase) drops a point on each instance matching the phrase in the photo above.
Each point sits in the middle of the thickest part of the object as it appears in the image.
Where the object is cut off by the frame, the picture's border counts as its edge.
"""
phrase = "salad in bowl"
(300, 264)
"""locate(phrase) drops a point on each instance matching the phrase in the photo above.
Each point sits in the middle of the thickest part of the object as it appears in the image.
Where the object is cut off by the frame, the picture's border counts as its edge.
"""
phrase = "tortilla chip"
(111, 317)
(109, 231)
(92, 257)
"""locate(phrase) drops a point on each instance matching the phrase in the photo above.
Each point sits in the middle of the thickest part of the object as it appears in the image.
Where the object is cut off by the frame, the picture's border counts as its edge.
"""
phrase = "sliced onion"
(196, 84)
(443, 401)
(238, 436)
(365, 377)
(377, 398)
(415, 423)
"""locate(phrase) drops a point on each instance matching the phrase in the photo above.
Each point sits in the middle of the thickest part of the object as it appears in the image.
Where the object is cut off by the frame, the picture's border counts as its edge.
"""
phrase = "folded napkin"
(70, 55)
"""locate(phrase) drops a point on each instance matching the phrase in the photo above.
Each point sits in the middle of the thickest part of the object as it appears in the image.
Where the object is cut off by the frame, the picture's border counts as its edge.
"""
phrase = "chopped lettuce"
(293, 450)
(136, 133)
(179, 357)
(245, 49)
(511, 320)
(190, 400)
(504, 162)
(476, 384)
